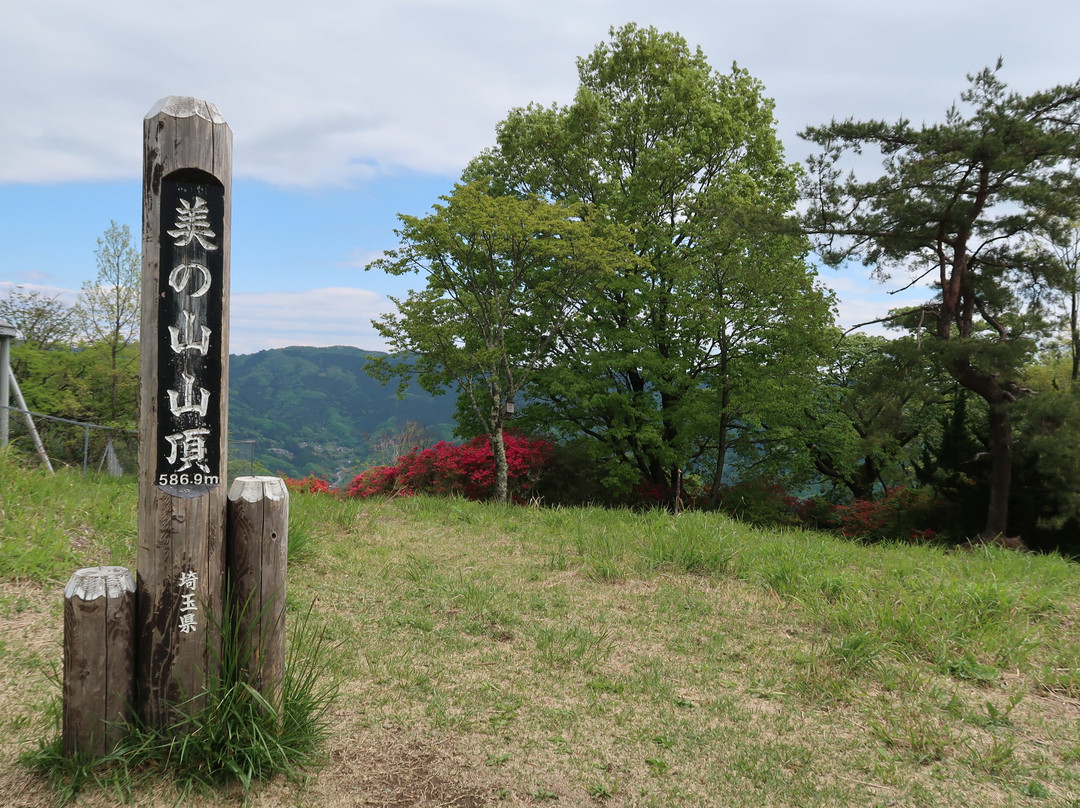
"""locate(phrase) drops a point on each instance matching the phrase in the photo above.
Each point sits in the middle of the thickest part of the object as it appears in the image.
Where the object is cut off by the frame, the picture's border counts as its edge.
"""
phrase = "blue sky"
(346, 113)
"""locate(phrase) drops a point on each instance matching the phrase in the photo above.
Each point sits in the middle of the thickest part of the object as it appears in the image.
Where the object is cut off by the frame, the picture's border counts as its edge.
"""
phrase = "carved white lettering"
(181, 275)
(187, 327)
(189, 449)
(178, 408)
(193, 224)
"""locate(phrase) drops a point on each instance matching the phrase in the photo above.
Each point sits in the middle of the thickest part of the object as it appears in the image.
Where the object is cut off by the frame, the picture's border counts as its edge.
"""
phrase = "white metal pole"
(7, 331)
(5, 391)
(29, 421)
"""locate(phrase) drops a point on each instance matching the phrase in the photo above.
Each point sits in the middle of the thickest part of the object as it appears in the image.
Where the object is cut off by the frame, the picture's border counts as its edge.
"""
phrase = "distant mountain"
(315, 410)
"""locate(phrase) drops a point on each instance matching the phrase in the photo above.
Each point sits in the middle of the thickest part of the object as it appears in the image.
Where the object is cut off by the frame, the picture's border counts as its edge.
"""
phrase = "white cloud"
(332, 92)
(317, 317)
(359, 258)
(262, 320)
(861, 299)
(68, 296)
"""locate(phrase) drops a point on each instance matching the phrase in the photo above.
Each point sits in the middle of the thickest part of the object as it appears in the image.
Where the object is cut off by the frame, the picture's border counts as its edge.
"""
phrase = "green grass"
(48, 523)
(519, 656)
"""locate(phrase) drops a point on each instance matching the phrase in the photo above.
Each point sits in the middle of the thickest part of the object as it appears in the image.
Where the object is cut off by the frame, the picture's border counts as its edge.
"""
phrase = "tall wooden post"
(183, 416)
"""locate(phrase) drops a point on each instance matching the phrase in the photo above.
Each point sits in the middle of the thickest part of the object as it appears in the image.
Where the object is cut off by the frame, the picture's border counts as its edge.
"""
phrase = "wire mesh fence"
(241, 459)
(95, 448)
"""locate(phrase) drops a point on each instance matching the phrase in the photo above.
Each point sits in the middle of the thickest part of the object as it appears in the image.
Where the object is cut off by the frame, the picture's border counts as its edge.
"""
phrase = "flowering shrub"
(308, 485)
(901, 514)
(466, 470)
(648, 494)
(817, 514)
(376, 481)
(761, 502)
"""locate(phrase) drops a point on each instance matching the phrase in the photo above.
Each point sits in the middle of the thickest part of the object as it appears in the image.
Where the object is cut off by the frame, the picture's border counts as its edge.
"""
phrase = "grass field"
(529, 656)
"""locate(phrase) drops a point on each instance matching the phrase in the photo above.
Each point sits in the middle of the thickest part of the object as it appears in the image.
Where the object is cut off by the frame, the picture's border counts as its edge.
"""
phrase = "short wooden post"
(258, 542)
(99, 659)
(183, 414)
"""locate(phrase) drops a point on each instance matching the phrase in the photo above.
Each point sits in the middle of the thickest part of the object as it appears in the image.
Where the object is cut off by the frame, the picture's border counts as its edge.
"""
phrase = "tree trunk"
(498, 449)
(721, 459)
(997, 513)
(1074, 331)
(863, 483)
(1000, 423)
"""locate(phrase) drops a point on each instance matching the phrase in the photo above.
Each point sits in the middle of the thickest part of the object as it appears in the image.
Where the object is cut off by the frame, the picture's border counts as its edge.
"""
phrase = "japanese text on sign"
(189, 329)
(188, 608)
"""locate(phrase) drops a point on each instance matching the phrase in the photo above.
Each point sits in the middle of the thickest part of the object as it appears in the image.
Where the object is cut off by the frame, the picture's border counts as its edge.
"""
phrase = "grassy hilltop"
(531, 656)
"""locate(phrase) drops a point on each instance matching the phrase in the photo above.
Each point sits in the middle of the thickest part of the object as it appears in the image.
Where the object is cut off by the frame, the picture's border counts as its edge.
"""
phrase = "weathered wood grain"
(178, 535)
(258, 557)
(99, 659)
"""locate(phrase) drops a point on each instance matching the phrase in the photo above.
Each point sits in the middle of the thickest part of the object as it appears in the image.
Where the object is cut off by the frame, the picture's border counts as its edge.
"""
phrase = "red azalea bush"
(308, 485)
(376, 481)
(466, 470)
(903, 513)
(760, 502)
(647, 494)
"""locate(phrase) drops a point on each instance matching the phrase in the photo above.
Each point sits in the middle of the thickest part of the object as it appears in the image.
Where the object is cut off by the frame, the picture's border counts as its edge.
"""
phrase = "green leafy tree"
(109, 312)
(957, 203)
(504, 279)
(682, 340)
(768, 335)
(49, 375)
(71, 383)
(1048, 502)
(1064, 244)
(44, 321)
(868, 422)
(56, 381)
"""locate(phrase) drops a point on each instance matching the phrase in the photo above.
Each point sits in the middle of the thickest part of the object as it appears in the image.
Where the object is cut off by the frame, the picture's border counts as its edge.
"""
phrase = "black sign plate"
(190, 290)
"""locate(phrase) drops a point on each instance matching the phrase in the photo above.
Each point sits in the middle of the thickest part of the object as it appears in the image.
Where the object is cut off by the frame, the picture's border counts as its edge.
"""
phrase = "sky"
(346, 113)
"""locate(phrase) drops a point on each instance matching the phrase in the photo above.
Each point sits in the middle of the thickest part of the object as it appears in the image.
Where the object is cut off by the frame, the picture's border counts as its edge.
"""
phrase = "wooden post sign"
(183, 415)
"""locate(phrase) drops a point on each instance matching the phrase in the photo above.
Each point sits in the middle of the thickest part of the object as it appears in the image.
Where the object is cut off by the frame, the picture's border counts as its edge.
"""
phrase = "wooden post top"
(183, 106)
(253, 489)
(180, 132)
(91, 583)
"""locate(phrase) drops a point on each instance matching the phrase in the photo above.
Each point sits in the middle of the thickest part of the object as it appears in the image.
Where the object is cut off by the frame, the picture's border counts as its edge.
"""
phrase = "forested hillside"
(315, 410)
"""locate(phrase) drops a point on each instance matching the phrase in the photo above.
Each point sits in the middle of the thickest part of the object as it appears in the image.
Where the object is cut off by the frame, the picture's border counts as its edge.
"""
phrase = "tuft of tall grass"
(573, 646)
(237, 736)
(989, 608)
(690, 544)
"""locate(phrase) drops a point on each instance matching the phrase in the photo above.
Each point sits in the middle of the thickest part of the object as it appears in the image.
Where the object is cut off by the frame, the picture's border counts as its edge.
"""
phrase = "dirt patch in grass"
(403, 774)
